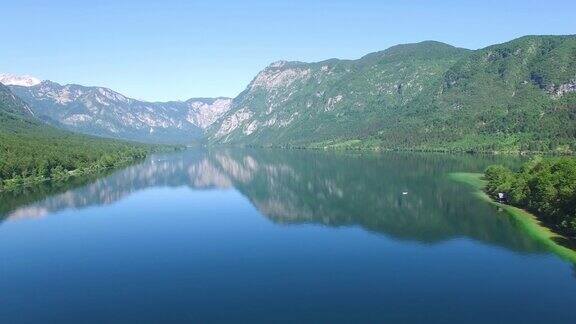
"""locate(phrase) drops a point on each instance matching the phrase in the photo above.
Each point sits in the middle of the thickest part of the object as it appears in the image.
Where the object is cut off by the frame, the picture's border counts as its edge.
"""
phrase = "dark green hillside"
(516, 96)
(31, 151)
(12, 105)
(294, 103)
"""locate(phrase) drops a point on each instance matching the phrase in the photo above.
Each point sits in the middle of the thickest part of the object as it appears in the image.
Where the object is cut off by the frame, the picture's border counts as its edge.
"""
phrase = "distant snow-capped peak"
(18, 80)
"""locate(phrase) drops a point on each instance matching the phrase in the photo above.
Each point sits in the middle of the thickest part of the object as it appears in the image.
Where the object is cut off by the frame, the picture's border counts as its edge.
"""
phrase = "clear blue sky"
(162, 50)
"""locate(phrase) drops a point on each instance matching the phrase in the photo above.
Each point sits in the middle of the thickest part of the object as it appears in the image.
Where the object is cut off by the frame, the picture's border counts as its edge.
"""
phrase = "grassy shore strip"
(526, 220)
(352, 145)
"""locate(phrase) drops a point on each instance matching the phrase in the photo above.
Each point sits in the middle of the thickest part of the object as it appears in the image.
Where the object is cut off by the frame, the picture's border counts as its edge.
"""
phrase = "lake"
(233, 235)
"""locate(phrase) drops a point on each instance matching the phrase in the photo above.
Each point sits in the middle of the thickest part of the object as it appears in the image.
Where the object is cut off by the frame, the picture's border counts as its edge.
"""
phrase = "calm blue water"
(275, 236)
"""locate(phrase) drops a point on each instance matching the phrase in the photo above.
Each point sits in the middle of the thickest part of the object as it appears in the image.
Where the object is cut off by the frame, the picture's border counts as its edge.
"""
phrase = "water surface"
(273, 235)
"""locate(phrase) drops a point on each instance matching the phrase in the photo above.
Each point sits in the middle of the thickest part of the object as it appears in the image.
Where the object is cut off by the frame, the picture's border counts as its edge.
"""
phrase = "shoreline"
(528, 221)
(94, 168)
(342, 148)
(15, 184)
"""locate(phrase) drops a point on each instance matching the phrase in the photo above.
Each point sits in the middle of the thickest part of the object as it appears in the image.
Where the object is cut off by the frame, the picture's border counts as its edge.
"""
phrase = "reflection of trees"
(332, 189)
(188, 168)
(353, 189)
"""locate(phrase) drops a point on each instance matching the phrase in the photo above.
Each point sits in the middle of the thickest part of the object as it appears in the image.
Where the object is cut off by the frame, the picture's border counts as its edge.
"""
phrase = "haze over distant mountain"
(19, 80)
(103, 112)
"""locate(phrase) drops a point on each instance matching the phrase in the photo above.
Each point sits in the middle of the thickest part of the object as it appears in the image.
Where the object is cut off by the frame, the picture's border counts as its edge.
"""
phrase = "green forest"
(33, 152)
(543, 186)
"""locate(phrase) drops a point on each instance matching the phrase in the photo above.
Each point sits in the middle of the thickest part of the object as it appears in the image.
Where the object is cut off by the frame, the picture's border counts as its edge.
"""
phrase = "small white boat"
(404, 192)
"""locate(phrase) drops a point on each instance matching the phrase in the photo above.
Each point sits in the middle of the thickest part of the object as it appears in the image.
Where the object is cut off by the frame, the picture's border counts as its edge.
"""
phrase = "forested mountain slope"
(32, 151)
(10, 104)
(514, 96)
(293, 103)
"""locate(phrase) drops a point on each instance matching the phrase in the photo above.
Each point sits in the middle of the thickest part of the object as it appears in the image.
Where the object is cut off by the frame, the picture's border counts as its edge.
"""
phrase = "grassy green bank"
(524, 219)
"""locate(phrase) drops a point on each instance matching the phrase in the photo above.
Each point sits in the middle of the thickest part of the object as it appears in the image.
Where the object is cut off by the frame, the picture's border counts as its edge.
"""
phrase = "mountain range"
(103, 112)
(32, 151)
(515, 96)
(294, 103)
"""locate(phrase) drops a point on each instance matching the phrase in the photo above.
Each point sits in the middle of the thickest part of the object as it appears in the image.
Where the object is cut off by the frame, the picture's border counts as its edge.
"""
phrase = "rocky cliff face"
(103, 112)
(204, 112)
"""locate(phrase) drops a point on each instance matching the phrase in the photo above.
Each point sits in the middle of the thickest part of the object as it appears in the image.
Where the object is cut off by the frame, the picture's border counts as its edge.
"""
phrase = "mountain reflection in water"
(314, 187)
